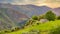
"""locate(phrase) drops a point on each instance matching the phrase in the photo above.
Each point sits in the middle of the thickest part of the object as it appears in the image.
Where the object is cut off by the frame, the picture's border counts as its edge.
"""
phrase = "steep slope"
(10, 18)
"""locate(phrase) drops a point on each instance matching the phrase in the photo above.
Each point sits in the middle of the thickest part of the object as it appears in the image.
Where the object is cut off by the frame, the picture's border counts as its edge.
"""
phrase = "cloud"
(21, 1)
(30, 1)
(53, 1)
(35, 2)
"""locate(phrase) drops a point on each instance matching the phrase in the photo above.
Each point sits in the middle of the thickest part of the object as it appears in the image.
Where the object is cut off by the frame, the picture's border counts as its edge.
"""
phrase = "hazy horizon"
(50, 3)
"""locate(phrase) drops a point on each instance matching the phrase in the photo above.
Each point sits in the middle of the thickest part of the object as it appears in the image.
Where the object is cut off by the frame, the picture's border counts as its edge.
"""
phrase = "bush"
(15, 29)
(58, 17)
(12, 30)
(38, 23)
(41, 17)
(30, 22)
(7, 31)
(34, 17)
(50, 16)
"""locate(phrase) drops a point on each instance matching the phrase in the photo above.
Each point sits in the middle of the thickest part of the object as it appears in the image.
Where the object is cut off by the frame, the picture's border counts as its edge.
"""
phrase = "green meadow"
(45, 28)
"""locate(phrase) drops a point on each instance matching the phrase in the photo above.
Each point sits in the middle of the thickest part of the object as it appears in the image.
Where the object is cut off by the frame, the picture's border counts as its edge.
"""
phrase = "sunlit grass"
(42, 27)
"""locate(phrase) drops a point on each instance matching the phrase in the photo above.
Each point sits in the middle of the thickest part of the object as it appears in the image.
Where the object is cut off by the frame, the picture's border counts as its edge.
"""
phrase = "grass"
(42, 27)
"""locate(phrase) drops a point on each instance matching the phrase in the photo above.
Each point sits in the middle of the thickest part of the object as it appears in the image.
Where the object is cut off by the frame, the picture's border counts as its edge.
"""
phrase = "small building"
(43, 20)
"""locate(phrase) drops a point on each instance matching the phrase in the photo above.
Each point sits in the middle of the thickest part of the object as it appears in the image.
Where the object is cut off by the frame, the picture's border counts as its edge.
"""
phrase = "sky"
(50, 3)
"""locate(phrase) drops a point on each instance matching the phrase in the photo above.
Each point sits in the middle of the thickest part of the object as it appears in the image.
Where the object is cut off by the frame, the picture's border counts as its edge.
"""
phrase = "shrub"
(41, 17)
(34, 17)
(12, 30)
(30, 22)
(58, 17)
(50, 16)
(38, 23)
(7, 31)
(15, 29)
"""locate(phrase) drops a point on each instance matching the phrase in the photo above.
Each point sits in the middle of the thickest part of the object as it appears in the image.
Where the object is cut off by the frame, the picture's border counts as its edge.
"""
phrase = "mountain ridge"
(19, 14)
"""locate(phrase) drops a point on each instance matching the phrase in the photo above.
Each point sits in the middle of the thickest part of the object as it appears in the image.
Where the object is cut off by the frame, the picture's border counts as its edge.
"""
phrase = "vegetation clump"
(50, 16)
(34, 17)
(58, 17)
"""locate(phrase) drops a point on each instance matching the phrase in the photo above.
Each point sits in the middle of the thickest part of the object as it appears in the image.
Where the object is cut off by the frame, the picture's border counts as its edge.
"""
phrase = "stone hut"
(43, 20)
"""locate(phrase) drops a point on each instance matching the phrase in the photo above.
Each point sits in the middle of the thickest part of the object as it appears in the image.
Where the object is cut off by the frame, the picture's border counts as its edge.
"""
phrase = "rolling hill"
(12, 15)
(45, 28)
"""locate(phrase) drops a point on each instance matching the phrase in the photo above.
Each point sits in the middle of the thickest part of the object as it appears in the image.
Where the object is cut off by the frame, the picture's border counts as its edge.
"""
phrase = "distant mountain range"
(12, 15)
(56, 11)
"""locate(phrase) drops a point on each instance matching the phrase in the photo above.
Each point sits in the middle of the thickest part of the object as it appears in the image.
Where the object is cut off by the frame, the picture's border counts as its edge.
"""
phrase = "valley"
(23, 19)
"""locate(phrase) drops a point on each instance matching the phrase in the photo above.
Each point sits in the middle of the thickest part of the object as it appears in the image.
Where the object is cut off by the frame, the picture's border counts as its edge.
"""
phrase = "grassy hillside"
(45, 28)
